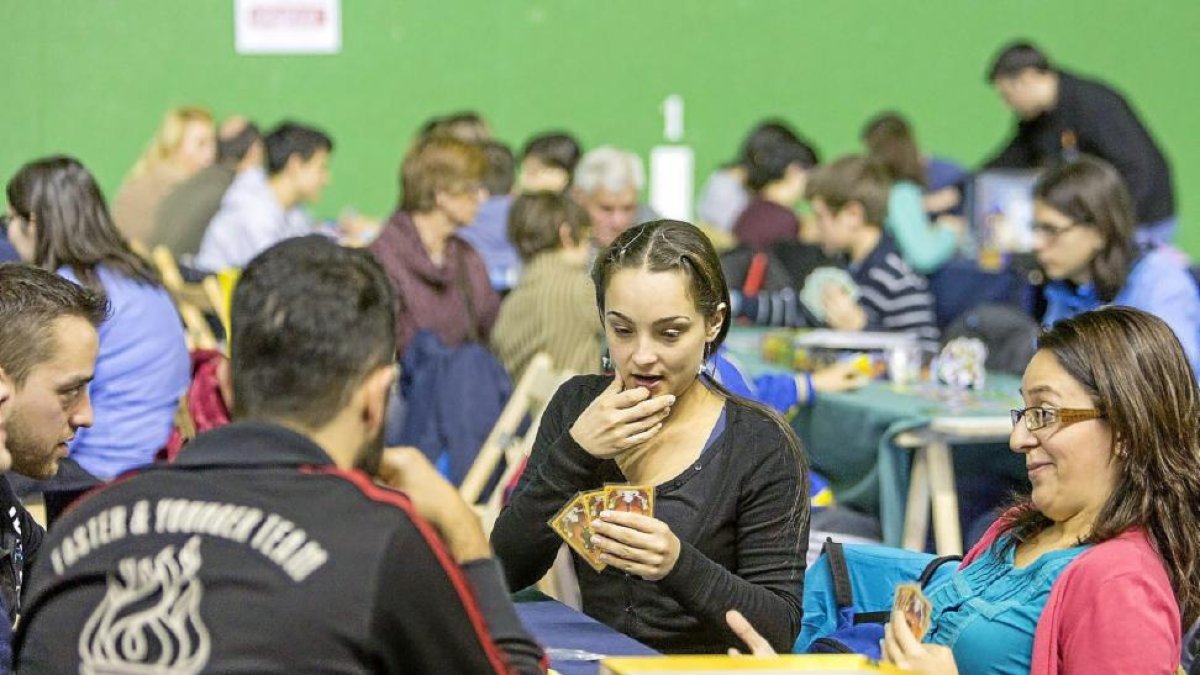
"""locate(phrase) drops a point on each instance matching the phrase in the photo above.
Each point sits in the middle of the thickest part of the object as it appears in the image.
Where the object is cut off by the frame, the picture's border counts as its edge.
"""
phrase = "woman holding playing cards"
(730, 509)
(1098, 570)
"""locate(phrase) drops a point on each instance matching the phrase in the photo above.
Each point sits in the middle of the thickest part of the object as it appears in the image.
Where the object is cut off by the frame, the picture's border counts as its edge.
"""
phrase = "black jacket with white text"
(253, 553)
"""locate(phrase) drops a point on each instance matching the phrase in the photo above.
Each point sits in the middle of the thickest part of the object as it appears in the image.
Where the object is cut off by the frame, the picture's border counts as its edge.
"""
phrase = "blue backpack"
(848, 594)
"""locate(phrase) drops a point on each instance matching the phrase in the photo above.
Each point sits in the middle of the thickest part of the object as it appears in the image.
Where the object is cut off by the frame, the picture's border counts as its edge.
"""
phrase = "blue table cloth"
(562, 631)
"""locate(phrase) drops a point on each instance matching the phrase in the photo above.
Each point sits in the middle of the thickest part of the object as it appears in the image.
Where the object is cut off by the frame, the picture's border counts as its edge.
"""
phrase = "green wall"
(92, 77)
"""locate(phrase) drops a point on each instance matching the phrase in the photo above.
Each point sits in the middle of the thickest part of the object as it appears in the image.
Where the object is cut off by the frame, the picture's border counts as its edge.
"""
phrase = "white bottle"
(672, 166)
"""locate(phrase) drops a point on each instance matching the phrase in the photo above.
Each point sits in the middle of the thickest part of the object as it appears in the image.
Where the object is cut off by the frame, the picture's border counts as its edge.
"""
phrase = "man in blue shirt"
(262, 208)
(488, 235)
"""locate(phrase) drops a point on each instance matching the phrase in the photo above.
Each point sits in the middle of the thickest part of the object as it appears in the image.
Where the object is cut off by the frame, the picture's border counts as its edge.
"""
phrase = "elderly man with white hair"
(608, 181)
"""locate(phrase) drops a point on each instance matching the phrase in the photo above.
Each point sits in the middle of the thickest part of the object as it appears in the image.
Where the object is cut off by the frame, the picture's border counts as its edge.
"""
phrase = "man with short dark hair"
(548, 162)
(263, 208)
(186, 211)
(267, 546)
(48, 347)
(1061, 115)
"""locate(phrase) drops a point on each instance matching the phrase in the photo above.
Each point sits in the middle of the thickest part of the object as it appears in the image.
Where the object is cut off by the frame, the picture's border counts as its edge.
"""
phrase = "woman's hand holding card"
(903, 648)
(636, 544)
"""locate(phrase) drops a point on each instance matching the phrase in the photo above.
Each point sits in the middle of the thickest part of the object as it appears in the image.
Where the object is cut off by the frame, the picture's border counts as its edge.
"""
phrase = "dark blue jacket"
(454, 397)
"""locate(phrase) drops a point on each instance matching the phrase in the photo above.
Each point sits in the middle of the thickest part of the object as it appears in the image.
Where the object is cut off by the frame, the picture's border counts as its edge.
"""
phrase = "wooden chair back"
(505, 443)
(192, 300)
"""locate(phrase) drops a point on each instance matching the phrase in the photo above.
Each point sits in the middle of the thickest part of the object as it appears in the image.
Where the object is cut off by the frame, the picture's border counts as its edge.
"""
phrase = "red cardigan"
(1111, 611)
(431, 296)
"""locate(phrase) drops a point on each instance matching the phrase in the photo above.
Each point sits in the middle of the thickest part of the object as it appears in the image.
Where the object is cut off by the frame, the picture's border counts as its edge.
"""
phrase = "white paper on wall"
(287, 26)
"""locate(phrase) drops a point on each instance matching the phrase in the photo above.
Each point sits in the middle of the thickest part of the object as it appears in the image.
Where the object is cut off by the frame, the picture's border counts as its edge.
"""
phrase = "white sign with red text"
(287, 26)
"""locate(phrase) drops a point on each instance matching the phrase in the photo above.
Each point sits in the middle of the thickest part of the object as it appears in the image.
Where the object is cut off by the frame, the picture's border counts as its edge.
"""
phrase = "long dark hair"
(676, 246)
(73, 227)
(1134, 368)
(890, 142)
(1091, 193)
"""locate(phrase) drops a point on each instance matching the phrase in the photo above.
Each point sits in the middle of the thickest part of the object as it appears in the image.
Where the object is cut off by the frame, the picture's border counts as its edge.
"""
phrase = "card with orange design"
(594, 501)
(915, 607)
(574, 524)
(630, 498)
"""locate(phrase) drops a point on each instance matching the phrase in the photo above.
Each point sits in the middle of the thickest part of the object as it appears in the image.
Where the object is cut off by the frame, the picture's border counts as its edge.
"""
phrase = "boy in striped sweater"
(849, 199)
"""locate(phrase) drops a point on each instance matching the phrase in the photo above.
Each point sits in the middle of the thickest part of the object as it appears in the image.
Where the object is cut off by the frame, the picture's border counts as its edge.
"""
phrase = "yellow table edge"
(848, 663)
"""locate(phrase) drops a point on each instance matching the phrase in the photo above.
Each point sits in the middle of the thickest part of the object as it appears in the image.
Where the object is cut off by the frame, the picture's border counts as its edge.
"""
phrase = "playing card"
(574, 525)
(594, 501)
(631, 498)
(911, 601)
(813, 293)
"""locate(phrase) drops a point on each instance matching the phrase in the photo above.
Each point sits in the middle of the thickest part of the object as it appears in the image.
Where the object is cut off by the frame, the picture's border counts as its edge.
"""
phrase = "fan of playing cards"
(574, 521)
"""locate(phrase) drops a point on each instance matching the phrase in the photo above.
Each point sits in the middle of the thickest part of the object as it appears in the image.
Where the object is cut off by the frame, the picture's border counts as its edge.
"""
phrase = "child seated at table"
(776, 170)
(925, 245)
(553, 307)
(849, 200)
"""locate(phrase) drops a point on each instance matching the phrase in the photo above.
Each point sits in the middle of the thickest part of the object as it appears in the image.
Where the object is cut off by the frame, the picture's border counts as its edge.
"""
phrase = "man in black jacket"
(267, 547)
(1062, 115)
(48, 347)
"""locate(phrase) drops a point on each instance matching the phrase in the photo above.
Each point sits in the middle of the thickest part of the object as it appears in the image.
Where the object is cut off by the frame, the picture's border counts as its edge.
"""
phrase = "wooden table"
(931, 480)
(887, 450)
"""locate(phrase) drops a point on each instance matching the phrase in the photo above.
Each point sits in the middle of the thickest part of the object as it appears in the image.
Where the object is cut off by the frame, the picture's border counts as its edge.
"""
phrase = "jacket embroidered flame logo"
(149, 619)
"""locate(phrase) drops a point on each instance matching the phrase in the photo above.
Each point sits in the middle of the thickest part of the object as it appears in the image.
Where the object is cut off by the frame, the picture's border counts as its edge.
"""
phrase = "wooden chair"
(528, 400)
(192, 300)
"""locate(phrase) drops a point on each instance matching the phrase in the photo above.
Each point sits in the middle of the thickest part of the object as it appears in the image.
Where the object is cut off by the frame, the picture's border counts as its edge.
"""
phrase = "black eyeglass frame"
(1052, 232)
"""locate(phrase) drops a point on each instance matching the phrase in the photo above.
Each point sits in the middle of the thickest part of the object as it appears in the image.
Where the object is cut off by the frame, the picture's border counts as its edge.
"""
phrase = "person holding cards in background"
(1098, 571)
(724, 478)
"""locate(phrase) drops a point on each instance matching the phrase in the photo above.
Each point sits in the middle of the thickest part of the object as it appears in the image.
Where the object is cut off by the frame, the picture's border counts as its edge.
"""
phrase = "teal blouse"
(923, 245)
(987, 613)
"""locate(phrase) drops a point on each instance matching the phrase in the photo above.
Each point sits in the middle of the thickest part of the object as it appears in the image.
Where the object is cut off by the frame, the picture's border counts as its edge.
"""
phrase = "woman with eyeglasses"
(1097, 571)
(441, 283)
(1083, 240)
